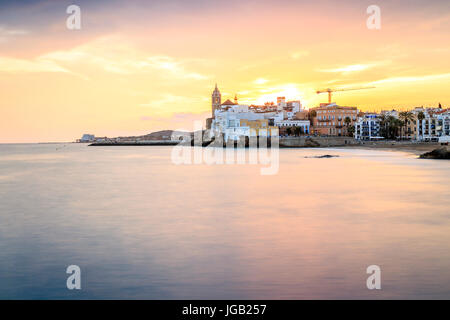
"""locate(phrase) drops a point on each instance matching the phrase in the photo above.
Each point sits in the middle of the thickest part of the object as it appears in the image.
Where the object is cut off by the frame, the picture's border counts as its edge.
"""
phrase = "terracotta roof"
(228, 103)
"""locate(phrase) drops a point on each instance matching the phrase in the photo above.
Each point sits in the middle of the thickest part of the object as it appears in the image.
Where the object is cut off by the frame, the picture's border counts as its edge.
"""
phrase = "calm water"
(142, 227)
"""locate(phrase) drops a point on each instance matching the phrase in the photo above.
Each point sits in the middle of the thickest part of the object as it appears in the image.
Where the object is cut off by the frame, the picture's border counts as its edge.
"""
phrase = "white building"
(368, 127)
(87, 138)
(229, 117)
(436, 124)
(296, 106)
(227, 120)
(247, 128)
(303, 124)
(392, 113)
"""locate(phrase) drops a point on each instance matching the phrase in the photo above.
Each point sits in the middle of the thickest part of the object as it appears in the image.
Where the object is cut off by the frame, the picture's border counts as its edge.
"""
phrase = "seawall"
(298, 142)
(137, 143)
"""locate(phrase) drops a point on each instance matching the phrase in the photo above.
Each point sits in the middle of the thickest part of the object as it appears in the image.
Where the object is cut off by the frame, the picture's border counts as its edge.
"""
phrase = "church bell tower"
(216, 100)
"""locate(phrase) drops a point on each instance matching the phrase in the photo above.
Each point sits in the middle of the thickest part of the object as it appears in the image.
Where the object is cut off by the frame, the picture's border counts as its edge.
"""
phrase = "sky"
(139, 66)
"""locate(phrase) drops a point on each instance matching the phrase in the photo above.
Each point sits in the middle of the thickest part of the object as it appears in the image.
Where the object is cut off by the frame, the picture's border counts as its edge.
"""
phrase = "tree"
(347, 121)
(420, 116)
(405, 117)
(390, 126)
(289, 131)
(312, 114)
(383, 125)
(350, 131)
(397, 126)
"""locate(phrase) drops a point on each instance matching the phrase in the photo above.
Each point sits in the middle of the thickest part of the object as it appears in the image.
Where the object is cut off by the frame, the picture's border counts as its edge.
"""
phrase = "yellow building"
(250, 128)
(330, 119)
(258, 127)
(411, 129)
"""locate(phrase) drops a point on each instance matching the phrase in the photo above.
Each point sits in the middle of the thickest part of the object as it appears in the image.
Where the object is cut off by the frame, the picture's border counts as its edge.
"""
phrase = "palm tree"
(405, 117)
(311, 115)
(347, 122)
(396, 126)
(351, 131)
(420, 117)
(289, 131)
(384, 125)
(389, 126)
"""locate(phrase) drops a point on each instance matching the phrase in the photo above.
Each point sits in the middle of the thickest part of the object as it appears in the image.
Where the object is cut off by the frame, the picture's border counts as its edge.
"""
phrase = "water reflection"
(141, 227)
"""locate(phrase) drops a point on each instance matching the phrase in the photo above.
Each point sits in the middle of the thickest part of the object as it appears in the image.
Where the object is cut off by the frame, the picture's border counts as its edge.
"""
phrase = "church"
(216, 104)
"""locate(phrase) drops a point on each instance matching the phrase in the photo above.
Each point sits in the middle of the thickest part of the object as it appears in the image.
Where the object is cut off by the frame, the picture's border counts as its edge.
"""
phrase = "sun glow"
(158, 67)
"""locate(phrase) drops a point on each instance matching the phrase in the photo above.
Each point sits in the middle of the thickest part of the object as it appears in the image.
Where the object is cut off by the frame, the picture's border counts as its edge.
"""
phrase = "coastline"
(411, 147)
(415, 148)
(134, 143)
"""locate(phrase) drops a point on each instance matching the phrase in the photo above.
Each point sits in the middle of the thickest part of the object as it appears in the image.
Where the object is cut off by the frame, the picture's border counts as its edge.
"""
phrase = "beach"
(312, 142)
(416, 148)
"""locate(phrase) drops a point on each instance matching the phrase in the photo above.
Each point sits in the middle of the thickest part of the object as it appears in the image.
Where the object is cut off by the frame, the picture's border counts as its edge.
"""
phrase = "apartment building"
(368, 127)
(330, 119)
(435, 124)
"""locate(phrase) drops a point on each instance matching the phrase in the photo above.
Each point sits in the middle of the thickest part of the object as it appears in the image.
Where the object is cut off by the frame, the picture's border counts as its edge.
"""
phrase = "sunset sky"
(141, 66)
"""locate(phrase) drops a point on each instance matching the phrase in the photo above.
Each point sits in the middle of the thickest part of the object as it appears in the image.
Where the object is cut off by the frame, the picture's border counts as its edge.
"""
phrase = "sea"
(140, 225)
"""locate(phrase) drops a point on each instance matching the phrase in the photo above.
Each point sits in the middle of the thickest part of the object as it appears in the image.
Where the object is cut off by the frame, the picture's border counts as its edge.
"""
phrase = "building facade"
(435, 124)
(302, 125)
(233, 120)
(249, 128)
(281, 103)
(368, 127)
(330, 119)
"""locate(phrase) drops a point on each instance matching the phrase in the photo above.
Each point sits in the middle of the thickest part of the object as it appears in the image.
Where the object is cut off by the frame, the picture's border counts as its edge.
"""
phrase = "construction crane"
(335, 90)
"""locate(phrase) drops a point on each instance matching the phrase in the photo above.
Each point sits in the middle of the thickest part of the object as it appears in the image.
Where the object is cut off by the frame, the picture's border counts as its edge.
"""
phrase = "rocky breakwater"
(439, 153)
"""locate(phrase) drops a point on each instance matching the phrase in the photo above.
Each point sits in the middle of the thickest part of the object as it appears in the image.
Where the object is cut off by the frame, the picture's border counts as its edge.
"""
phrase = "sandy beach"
(416, 148)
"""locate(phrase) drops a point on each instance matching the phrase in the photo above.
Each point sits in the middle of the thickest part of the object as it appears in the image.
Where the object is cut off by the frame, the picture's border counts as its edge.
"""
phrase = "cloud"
(125, 60)
(350, 68)
(36, 65)
(95, 55)
(6, 33)
(355, 67)
(292, 91)
(123, 65)
(298, 54)
(181, 121)
(173, 66)
(169, 104)
(260, 81)
(424, 78)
